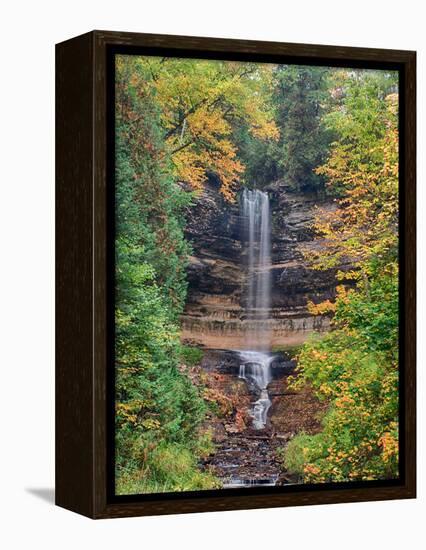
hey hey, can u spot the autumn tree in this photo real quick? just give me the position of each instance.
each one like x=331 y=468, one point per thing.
x=158 y=409
x=301 y=95
x=355 y=367
x=362 y=170
x=200 y=102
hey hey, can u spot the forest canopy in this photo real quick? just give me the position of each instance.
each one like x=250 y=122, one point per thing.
x=200 y=105
x=355 y=366
x=326 y=132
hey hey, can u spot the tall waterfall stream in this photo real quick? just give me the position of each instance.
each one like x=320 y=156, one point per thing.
x=256 y=361
x=258 y=412
x=247 y=443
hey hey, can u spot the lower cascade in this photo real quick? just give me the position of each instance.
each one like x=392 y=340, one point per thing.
x=255 y=368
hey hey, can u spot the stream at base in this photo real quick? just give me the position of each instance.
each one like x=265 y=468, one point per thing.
x=256 y=463
x=246 y=455
x=247 y=462
x=255 y=369
x=248 y=458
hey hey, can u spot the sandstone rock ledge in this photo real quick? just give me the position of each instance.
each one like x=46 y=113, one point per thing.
x=214 y=313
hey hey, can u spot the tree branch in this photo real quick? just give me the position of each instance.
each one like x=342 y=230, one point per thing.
x=181 y=147
x=190 y=111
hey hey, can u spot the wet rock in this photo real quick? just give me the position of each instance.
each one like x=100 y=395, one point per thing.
x=231 y=429
x=245 y=457
x=214 y=315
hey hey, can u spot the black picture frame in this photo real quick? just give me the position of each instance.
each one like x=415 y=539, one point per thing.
x=85 y=274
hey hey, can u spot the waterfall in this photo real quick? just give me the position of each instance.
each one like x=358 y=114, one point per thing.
x=255 y=366
x=257 y=237
x=255 y=369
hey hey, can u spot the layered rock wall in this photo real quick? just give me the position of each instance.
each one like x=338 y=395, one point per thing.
x=214 y=313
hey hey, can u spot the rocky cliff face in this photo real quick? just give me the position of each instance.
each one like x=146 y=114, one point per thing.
x=216 y=274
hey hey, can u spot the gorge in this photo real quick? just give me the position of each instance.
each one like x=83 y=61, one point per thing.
x=214 y=315
x=247 y=310
x=256 y=274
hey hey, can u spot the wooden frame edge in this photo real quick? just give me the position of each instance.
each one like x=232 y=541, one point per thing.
x=85 y=489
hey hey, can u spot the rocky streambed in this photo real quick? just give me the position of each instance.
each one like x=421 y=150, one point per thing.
x=249 y=289
x=247 y=459
x=245 y=456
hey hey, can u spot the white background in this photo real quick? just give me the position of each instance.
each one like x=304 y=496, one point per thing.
x=28 y=34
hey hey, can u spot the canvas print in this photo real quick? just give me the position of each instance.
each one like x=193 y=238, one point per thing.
x=256 y=275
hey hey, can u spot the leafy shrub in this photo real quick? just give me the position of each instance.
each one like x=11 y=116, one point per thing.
x=159 y=411
x=191 y=356
x=355 y=369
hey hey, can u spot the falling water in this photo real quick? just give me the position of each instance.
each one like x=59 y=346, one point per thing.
x=255 y=366
x=257 y=236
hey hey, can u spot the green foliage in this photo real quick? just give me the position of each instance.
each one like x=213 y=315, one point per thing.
x=191 y=356
x=158 y=409
x=359 y=114
x=298 y=98
x=301 y=95
x=258 y=156
x=354 y=368
x=149 y=204
x=168 y=468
